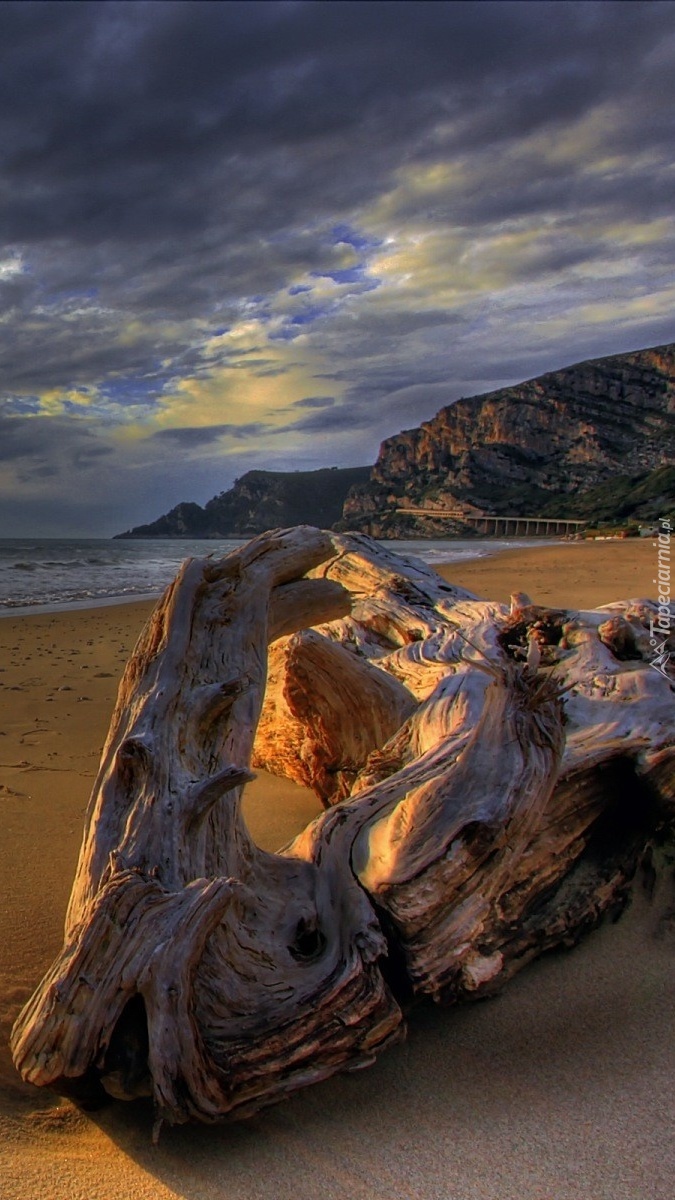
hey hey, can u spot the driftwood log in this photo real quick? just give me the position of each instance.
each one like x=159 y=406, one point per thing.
x=492 y=779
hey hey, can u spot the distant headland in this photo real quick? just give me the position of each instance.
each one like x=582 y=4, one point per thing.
x=593 y=442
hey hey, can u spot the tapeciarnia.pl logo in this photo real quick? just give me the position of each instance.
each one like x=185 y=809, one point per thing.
x=660 y=627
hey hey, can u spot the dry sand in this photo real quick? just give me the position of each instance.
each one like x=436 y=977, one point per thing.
x=561 y=1089
x=575 y=575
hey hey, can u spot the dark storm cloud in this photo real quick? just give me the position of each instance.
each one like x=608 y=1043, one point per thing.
x=42 y=349
x=188 y=436
x=143 y=86
x=170 y=171
x=349 y=415
x=511 y=188
x=36 y=449
x=315 y=402
x=177 y=134
x=376 y=406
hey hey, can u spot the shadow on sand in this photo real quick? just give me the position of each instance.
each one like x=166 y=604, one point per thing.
x=558 y=1088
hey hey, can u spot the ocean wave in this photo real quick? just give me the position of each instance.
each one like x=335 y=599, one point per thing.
x=71 y=573
x=64 y=596
x=48 y=564
x=62 y=562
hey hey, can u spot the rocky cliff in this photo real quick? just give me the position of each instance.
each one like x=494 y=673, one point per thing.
x=600 y=427
x=595 y=441
x=258 y=501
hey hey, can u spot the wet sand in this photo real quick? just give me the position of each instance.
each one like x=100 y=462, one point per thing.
x=561 y=1089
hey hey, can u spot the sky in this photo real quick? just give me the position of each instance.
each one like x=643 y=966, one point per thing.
x=269 y=235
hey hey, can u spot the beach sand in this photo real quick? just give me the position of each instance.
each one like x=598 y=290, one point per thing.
x=560 y=1089
x=573 y=575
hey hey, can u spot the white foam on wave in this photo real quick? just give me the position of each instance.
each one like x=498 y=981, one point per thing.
x=53 y=575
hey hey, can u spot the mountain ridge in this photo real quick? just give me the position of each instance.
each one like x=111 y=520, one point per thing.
x=530 y=449
x=595 y=440
x=259 y=500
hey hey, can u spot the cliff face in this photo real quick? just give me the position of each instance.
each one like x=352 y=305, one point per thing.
x=594 y=441
x=527 y=449
x=258 y=501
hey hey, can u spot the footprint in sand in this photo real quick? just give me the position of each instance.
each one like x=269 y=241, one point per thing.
x=5 y=790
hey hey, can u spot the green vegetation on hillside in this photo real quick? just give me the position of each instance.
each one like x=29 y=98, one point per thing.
x=626 y=497
x=266 y=499
x=258 y=501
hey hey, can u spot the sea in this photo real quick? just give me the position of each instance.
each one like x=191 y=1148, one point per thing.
x=53 y=573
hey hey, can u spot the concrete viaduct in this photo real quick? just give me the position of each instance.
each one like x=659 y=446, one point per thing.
x=488 y=523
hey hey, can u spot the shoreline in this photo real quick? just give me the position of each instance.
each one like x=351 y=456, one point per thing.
x=570 y=575
x=547 y=1090
x=484 y=548
x=64 y=606
x=485 y=567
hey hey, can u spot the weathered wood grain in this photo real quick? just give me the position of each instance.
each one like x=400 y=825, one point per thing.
x=494 y=777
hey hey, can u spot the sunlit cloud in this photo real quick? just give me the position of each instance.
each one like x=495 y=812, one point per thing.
x=252 y=378
x=11 y=266
x=58 y=401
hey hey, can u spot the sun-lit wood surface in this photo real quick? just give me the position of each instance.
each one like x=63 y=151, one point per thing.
x=493 y=777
